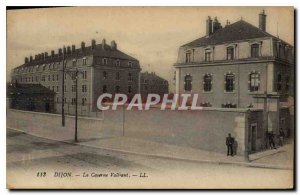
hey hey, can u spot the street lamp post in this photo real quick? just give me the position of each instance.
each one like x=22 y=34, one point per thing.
x=75 y=79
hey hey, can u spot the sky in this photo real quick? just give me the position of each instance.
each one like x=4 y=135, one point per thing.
x=153 y=35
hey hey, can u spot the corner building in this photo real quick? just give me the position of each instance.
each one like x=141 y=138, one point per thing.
x=240 y=66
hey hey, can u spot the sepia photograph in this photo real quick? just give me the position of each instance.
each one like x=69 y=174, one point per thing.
x=150 y=97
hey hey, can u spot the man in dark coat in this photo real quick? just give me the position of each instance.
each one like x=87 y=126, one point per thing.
x=271 y=140
x=229 y=144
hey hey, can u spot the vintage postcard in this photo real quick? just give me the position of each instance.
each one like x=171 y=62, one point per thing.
x=150 y=98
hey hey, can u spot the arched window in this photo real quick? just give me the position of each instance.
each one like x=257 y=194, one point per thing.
x=255 y=50
x=229 y=82
x=254 y=81
x=207 y=82
x=188 y=83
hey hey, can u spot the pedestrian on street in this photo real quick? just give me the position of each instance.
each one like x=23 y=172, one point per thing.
x=271 y=140
x=281 y=136
x=229 y=144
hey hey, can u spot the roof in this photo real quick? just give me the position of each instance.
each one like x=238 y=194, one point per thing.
x=98 y=51
x=18 y=88
x=240 y=30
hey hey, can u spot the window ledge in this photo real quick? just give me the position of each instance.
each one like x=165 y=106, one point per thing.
x=229 y=92
x=208 y=91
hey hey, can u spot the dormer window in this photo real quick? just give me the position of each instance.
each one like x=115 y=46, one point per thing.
x=104 y=61
x=208 y=55
x=188 y=57
x=118 y=63
x=255 y=50
x=84 y=61
x=130 y=64
x=230 y=53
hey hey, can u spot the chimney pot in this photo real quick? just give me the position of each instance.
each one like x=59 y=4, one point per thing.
x=64 y=50
x=46 y=55
x=103 y=44
x=30 y=58
x=73 y=48
x=262 y=21
x=59 y=52
x=82 y=46
x=68 y=50
x=209 y=26
x=113 y=45
x=93 y=43
x=26 y=60
x=52 y=53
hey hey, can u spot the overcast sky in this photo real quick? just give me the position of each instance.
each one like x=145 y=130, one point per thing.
x=150 y=34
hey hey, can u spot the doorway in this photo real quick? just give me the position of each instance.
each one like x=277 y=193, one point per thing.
x=253 y=137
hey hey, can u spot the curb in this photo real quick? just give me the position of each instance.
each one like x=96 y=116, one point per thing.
x=245 y=164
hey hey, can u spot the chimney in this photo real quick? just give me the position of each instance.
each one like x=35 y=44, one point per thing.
x=46 y=55
x=26 y=60
x=52 y=53
x=262 y=21
x=59 y=52
x=39 y=56
x=35 y=57
x=30 y=59
x=82 y=46
x=42 y=57
x=208 y=26
x=68 y=50
x=64 y=50
x=216 y=25
x=113 y=45
x=93 y=43
x=103 y=44
x=73 y=48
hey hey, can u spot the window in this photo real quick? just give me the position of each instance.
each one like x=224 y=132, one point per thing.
x=104 y=75
x=73 y=101
x=255 y=50
x=104 y=61
x=129 y=77
x=188 y=83
x=117 y=90
x=57 y=77
x=84 y=61
x=207 y=82
x=36 y=79
x=74 y=62
x=130 y=64
x=287 y=83
x=83 y=101
x=43 y=78
x=117 y=76
x=254 y=82
x=84 y=89
x=52 y=88
x=229 y=82
x=57 y=100
x=230 y=53
x=207 y=55
x=279 y=79
x=73 y=88
x=57 y=89
x=118 y=62
x=84 y=75
x=53 y=77
x=49 y=77
x=188 y=57
x=129 y=89
x=104 y=89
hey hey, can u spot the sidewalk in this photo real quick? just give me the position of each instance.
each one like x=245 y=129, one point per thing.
x=161 y=150
x=282 y=158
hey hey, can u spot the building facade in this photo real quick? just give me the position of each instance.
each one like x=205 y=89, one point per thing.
x=239 y=66
x=102 y=69
x=152 y=83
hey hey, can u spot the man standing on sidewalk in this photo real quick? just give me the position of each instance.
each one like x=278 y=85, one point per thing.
x=281 y=136
x=229 y=144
